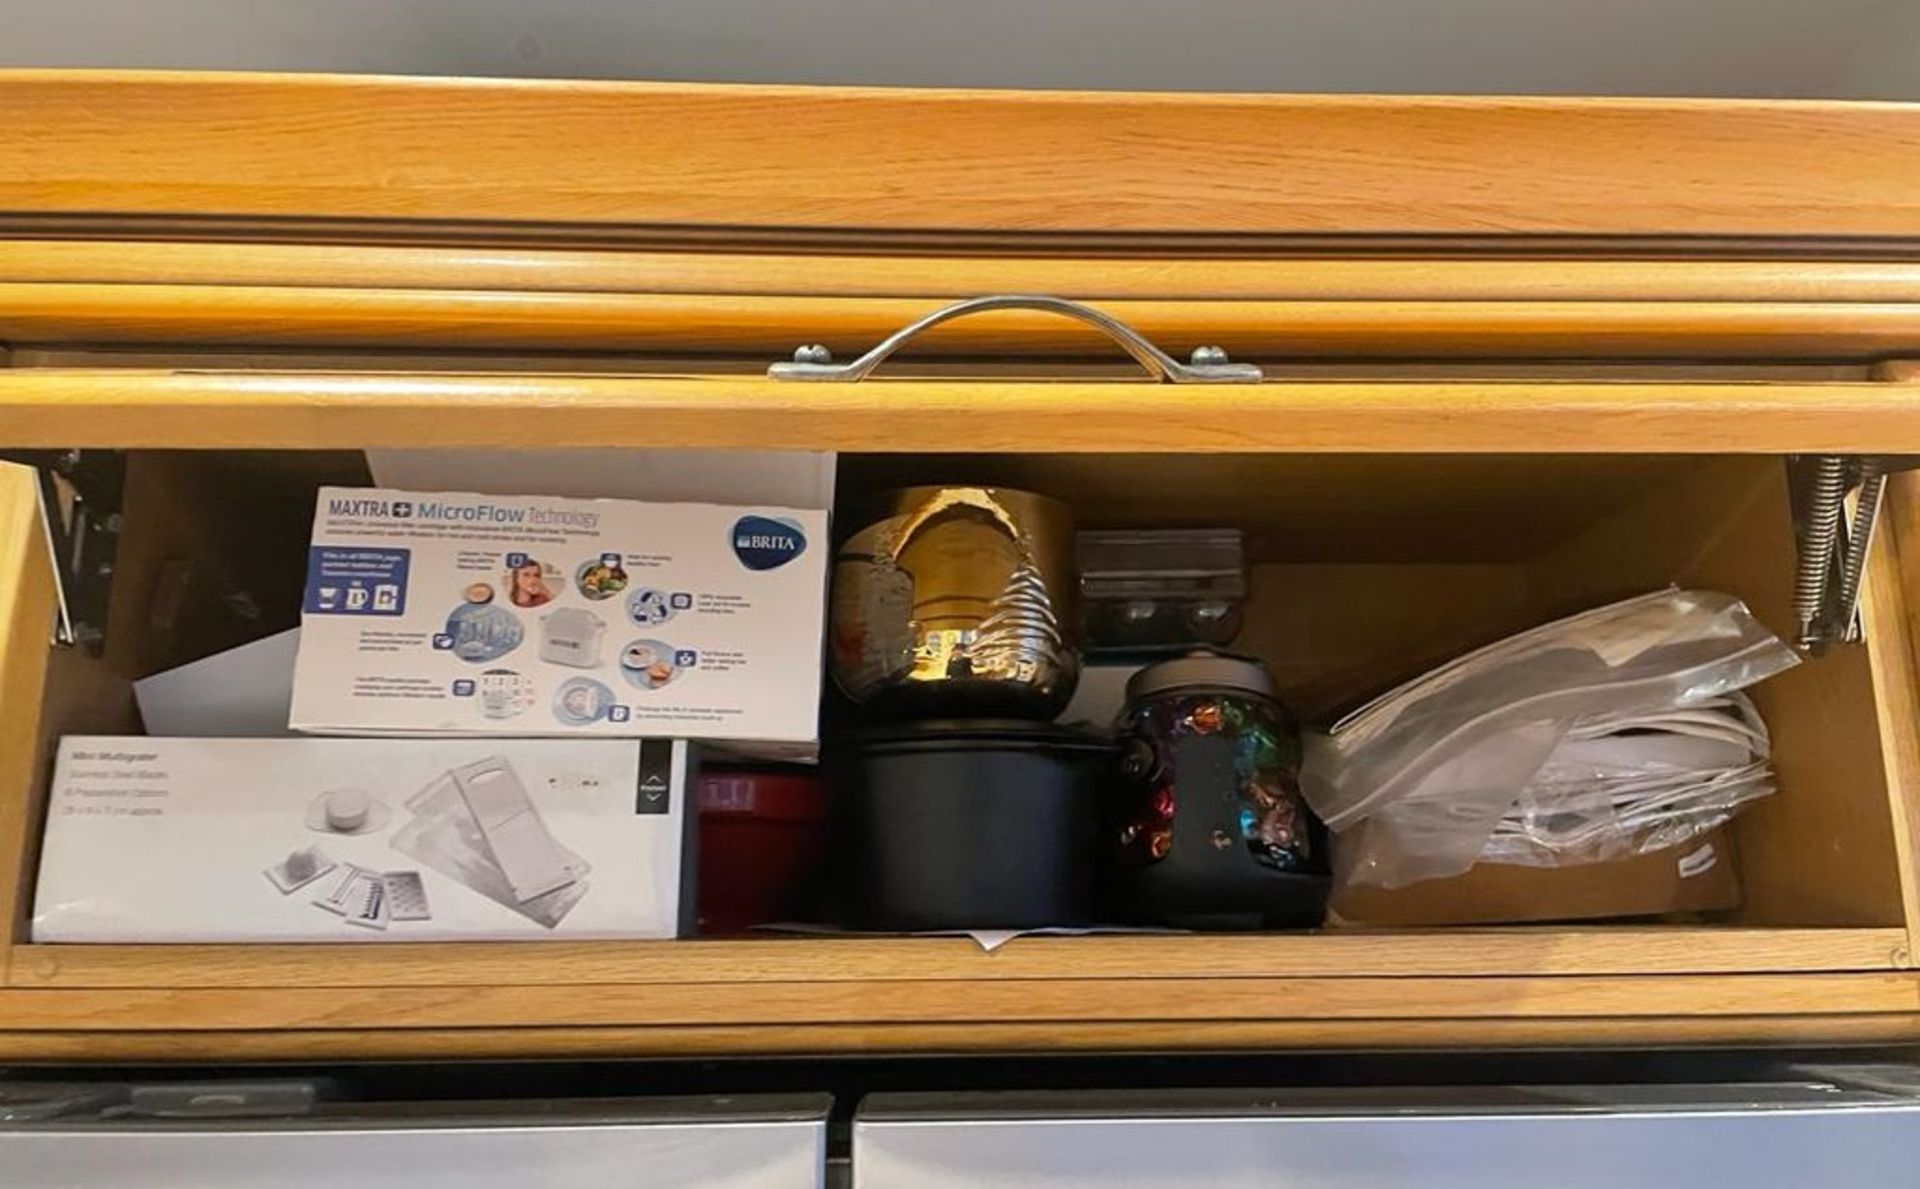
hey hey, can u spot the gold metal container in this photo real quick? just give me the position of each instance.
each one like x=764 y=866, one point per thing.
x=957 y=601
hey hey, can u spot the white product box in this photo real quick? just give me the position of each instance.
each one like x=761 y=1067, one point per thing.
x=178 y=840
x=444 y=614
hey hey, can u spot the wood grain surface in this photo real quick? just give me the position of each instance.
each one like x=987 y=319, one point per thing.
x=26 y=625
x=1890 y=609
x=1276 y=277
x=957 y=1001
x=1607 y=949
x=988 y=161
x=1267 y=1033
x=769 y=327
x=314 y=410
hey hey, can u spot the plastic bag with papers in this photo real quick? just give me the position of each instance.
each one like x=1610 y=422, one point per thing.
x=1613 y=732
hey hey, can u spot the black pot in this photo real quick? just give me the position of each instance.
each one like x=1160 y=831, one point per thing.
x=983 y=824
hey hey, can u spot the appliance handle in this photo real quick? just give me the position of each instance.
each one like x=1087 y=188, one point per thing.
x=1210 y=365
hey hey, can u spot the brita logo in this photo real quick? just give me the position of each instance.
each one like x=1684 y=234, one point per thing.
x=762 y=543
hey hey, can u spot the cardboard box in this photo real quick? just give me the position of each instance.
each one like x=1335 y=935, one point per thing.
x=267 y=840
x=1698 y=876
x=435 y=614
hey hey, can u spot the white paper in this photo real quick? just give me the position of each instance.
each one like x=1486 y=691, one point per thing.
x=988 y=940
x=992 y=939
x=1697 y=862
x=243 y=692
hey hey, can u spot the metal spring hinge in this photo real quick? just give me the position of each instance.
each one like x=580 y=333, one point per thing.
x=80 y=509
x=1833 y=543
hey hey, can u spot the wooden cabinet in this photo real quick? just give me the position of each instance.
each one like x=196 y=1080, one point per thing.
x=1521 y=356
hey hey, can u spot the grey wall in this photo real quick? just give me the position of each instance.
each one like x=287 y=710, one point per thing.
x=1800 y=48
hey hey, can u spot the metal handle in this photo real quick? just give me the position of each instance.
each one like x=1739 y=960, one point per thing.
x=1210 y=365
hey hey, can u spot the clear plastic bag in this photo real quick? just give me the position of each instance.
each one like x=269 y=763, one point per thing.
x=1418 y=782
x=1622 y=785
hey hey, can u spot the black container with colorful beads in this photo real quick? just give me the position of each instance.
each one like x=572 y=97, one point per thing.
x=1210 y=830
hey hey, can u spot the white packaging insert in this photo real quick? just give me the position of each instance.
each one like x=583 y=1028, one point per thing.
x=429 y=614
x=455 y=839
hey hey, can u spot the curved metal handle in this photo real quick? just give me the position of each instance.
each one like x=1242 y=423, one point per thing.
x=1210 y=364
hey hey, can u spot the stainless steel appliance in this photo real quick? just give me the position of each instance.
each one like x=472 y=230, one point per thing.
x=668 y=1143
x=1768 y=1136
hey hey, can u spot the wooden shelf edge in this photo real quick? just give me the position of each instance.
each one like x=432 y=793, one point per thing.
x=60 y=407
x=1056 y=1001
x=929 y=277
x=27 y=605
x=1598 y=950
x=934 y=1039
x=1890 y=600
x=403 y=316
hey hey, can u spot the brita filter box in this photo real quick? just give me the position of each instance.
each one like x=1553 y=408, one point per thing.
x=429 y=614
x=153 y=840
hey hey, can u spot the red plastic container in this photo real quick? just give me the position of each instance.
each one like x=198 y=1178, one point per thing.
x=763 y=835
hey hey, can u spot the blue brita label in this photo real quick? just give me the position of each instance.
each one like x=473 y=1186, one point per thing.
x=763 y=543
